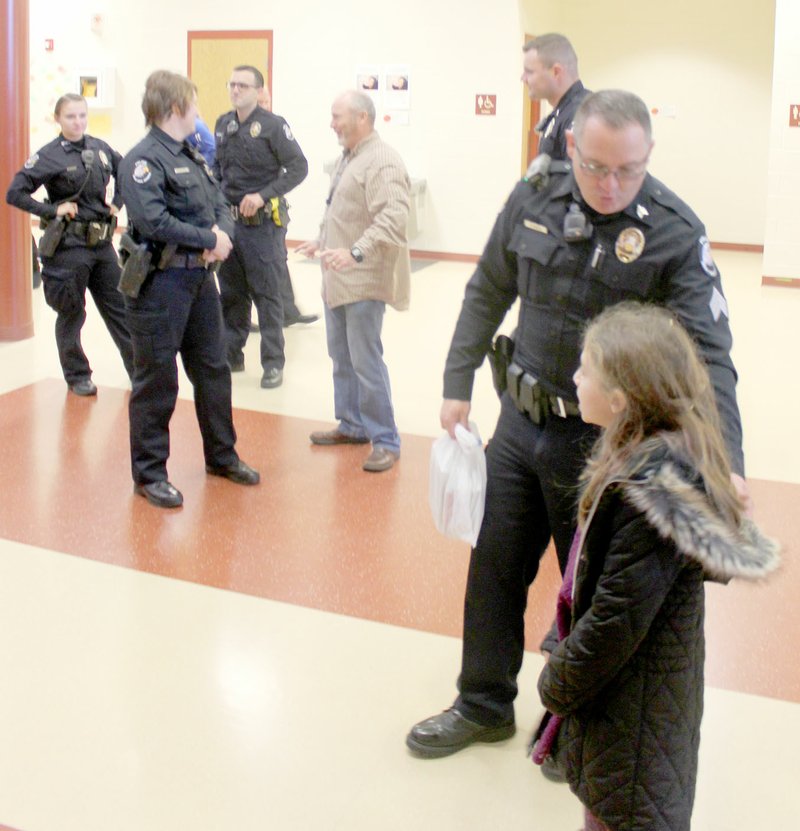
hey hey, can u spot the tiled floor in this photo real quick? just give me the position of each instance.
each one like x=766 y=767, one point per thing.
x=255 y=659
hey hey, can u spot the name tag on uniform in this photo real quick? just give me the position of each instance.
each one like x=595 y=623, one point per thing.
x=181 y=169
x=535 y=226
x=72 y=167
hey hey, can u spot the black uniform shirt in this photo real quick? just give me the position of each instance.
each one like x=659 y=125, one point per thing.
x=656 y=251
x=171 y=194
x=553 y=127
x=62 y=170
x=260 y=155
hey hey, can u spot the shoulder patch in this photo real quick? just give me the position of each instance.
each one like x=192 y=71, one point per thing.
x=31 y=162
x=706 y=257
x=287 y=132
x=141 y=172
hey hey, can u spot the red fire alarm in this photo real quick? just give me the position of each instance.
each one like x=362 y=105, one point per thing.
x=48 y=44
x=794 y=115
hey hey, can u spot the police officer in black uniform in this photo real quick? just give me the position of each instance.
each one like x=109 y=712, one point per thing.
x=550 y=71
x=586 y=239
x=75 y=170
x=180 y=217
x=258 y=161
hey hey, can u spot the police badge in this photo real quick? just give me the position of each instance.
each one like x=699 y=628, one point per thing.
x=255 y=129
x=629 y=245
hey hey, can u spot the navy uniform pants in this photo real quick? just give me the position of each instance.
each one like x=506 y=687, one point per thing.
x=178 y=311
x=531 y=496
x=66 y=276
x=255 y=270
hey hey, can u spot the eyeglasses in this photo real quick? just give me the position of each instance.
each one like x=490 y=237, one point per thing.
x=600 y=171
x=239 y=85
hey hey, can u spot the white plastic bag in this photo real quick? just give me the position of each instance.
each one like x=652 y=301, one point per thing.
x=458 y=484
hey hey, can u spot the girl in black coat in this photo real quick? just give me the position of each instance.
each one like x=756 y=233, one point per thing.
x=658 y=515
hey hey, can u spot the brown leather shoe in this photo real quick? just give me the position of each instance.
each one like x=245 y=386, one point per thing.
x=335 y=437
x=380 y=459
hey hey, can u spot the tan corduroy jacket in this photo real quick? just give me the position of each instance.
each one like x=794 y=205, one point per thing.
x=368 y=208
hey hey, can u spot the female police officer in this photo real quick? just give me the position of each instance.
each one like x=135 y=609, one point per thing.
x=177 y=211
x=75 y=170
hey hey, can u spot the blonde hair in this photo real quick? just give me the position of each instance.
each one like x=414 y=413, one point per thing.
x=162 y=91
x=644 y=352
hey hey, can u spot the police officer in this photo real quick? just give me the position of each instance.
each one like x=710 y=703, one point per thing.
x=177 y=210
x=550 y=71
x=258 y=161
x=75 y=170
x=604 y=232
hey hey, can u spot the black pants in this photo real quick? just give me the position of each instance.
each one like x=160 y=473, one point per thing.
x=255 y=271
x=178 y=310
x=67 y=275
x=531 y=495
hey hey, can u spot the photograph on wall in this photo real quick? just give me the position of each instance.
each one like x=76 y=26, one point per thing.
x=397 y=92
x=368 y=79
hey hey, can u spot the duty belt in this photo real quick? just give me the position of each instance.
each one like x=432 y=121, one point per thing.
x=529 y=397
x=94 y=231
x=184 y=260
x=256 y=219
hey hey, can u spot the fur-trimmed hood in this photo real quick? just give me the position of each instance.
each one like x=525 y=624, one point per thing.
x=680 y=511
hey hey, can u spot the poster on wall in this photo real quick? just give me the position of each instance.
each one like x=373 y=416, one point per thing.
x=368 y=79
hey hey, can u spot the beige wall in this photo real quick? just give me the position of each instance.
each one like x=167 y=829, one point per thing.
x=713 y=66
x=708 y=61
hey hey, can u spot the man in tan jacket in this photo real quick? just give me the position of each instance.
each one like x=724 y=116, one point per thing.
x=365 y=265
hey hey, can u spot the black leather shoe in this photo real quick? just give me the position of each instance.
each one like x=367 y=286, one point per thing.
x=83 y=387
x=160 y=494
x=300 y=319
x=450 y=732
x=272 y=378
x=238 y=472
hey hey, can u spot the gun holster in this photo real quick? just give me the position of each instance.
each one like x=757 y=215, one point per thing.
x=137 y=263
x=52 y=236
x=500 y=357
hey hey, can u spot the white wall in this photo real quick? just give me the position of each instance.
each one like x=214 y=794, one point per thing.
x=712 y=62
x=782 y=243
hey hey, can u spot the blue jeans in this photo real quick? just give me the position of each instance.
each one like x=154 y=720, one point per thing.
x=362 y=394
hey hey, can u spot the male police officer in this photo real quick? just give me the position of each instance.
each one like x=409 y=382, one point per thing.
x=550 y=71
x=586 y=239
x=258 y=162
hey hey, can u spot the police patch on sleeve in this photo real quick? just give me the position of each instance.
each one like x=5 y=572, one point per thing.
x=706 y=257
x=141 y=172
x=31 y=162
x=287 y=132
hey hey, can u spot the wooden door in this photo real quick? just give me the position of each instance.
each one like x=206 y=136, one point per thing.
x=212 y=56
x=532 y=113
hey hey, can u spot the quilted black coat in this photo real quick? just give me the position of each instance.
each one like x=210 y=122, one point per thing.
x=628 y=679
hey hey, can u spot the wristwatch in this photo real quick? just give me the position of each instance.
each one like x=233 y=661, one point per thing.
x=355 y=253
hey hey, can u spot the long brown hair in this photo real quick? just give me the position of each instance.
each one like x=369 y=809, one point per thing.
x=644 y=352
